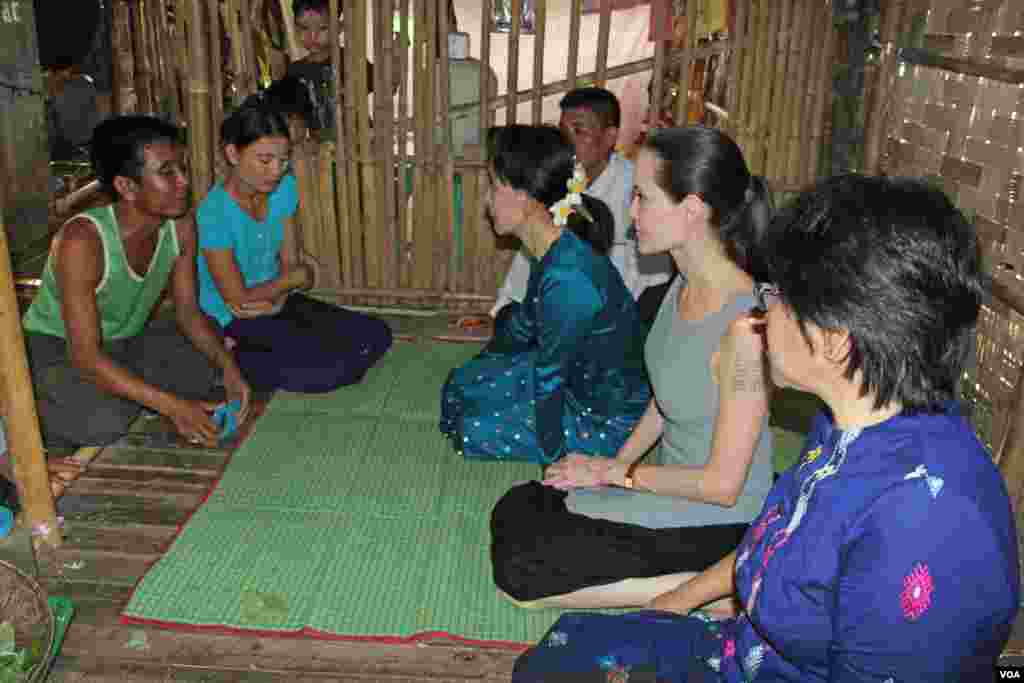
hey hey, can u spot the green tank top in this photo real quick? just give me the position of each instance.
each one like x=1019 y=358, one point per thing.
x=124 y=298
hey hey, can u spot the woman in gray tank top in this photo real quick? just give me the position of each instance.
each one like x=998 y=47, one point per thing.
x=679 y=493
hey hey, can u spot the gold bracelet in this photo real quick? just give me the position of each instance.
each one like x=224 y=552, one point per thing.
x=629 y=481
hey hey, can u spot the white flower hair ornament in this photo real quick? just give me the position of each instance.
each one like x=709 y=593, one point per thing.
x=572 y=201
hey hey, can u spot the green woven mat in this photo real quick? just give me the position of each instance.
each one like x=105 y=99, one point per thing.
x=349 y=515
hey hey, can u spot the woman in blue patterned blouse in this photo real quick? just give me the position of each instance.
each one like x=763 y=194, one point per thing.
x=889 y=551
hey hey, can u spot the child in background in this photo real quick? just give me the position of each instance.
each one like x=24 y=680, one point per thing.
x=314 y=71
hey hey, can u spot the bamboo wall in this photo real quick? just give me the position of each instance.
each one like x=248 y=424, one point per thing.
x=389 y=215
x=779 y=84
x=950 y=107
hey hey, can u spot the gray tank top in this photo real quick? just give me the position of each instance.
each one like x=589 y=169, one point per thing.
x=678 y=355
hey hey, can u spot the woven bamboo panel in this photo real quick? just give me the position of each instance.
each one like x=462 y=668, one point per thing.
x=965 y=132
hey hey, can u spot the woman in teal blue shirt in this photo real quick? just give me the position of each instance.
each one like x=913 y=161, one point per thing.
x=247 y=282
x=565 y=369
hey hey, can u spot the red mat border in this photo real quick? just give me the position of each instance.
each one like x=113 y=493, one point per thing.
x=305 y=632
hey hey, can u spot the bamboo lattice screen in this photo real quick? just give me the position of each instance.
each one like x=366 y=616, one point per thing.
x=952 y=110
x=391 y=216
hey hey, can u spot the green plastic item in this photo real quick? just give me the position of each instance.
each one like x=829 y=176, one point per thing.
x=63 y=609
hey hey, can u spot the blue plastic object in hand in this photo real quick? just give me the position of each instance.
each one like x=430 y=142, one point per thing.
x=6 y=521
x=226 y=417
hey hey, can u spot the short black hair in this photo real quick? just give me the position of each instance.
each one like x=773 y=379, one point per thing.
x=896 y=265
x=598 y=100
x=119 y=143
x=254 y=119
x=319 y=6
x=540 y=160
x=707 y=163
x=288 y=96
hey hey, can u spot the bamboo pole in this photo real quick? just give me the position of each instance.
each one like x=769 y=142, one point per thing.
x=442 y=83
x=347 y=144
x=181 y=59
x=604 y=29
x=367 y=170
x=200 y=150
x=539 y=32
x=171 y=64
x=404 y=163
x=471 y=224
x=216 y=76
x=796 y=143
x=420 y=294
x=687 y=66
x=291 y=41
x=486 y=112
x=823 y=84
x=512 y=83
x=809 y=154
x=126 y=100
x=876 y=127
x=575 y=17
x=22 y=424
x=329 y=252
x=445 y=182
x=657 y=81
x=390 y=178
x=434 y=232
x=143 y=67
x=306 y=167
x=248 y=82
x=472 y=219
x=775 y=153
x=422 y=265
x=738 y=54
x=233 y=30
x=346 y=243
x=161 y=91
x=747 y=94
x=770 y=97
x=168 y=84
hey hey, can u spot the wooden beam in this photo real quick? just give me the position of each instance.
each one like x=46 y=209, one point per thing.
x=539 y=31
x=24 y=204
x=966 y=66
x=614 y=72
x=22 y=421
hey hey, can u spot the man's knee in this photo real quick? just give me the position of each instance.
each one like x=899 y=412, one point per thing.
x=98 y=423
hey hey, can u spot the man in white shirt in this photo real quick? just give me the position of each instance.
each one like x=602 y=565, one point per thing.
x=590 y=118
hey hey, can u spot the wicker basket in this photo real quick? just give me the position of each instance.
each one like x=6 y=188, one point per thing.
x=23 y=604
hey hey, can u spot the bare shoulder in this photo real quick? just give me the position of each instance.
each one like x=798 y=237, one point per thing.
x=77 y=239
x=77 y=251
x=79 y=230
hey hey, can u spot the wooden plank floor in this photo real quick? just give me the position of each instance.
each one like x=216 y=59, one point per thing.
x=125 y=509
x=118 y=517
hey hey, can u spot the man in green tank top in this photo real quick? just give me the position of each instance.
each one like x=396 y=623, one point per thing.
x=97 y=353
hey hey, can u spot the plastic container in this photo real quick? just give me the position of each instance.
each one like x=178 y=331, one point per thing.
x=6 y=521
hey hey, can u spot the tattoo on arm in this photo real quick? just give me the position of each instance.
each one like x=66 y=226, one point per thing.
x=748 y=376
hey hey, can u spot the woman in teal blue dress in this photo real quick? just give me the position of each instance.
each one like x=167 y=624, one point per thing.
x=564 y=371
